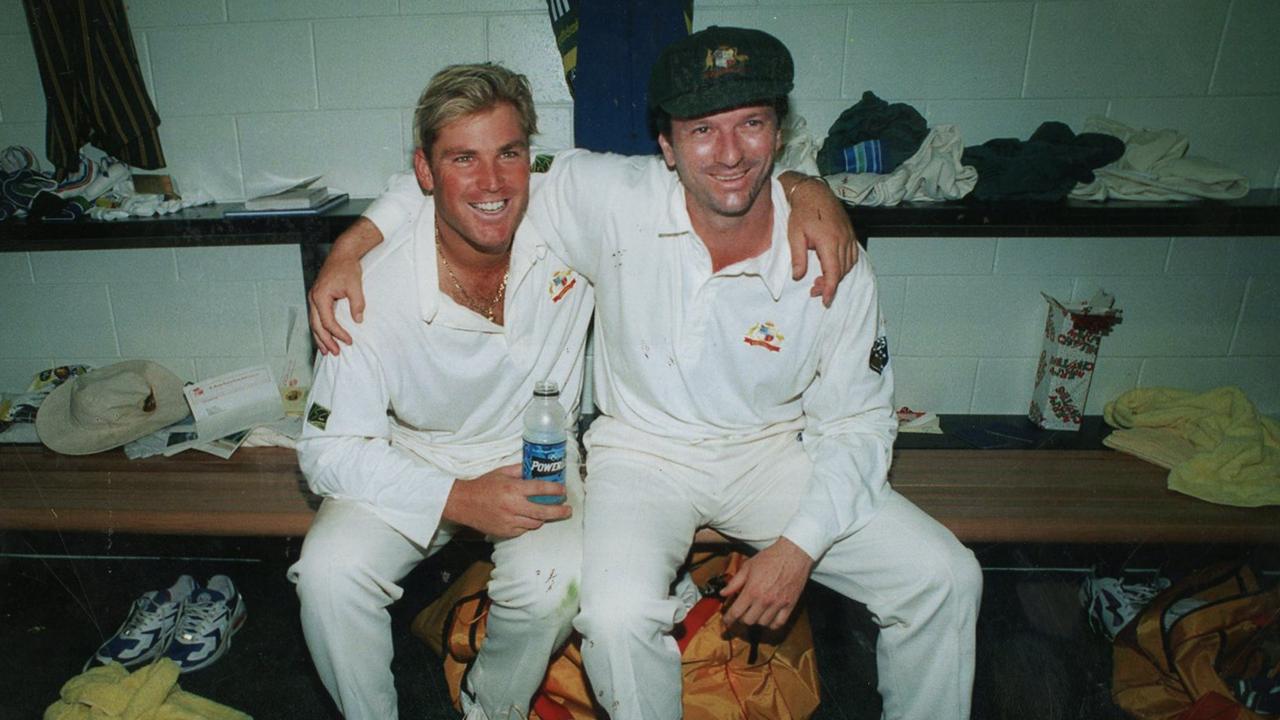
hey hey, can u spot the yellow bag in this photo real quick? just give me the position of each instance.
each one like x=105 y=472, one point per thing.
x=1180 y=673
x=765 y=676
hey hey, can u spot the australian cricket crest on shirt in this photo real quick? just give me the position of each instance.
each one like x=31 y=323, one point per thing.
x=561 y=283
x=764 y=335
x=879 y=355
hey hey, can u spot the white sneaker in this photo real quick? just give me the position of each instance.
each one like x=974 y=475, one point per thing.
x=147 y=630
x=209 y=618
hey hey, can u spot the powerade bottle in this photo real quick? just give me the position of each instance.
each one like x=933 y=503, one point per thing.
x=544 y=439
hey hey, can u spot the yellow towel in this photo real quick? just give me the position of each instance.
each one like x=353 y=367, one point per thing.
x=151 y=692
x=1217 y=445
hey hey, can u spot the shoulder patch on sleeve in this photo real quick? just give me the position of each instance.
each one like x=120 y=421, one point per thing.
x=318 y=415
x=879 y=355
x=541 y=163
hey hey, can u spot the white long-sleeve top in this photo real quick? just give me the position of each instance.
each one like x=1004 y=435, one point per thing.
x=740 y=354
x=430 y=391
x=743 y=353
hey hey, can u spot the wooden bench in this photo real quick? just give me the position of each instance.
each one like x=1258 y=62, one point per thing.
x=259 y=491
x=1059 y=496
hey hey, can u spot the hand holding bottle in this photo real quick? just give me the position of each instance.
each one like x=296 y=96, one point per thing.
x=498 y=503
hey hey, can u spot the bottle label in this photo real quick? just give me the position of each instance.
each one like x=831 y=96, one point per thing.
x=544 y=461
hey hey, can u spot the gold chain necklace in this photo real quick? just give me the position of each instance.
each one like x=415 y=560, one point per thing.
x=471 y=302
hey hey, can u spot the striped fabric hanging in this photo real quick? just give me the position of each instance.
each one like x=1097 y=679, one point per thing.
x=564 y=23
x=92 y=84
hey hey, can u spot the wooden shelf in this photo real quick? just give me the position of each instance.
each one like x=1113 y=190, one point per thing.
x=193 y=227
x=259 y=491
x=202 y=226
x=1068 y=496
x=1258 y=213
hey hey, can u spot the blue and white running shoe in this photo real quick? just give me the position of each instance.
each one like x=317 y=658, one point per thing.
x=147 y=631
x=209 y=618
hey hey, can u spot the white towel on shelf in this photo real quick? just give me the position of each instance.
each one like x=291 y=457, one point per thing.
x=1155 y=167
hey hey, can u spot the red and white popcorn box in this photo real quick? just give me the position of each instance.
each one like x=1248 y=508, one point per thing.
x=1072 y=334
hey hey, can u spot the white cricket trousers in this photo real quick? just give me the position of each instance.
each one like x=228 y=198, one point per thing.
x=646 y=496
x=347 y=576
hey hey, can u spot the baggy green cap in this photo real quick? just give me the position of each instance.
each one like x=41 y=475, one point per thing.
x=717 y=69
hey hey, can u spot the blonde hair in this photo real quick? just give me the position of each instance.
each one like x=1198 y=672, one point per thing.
x=460 y=90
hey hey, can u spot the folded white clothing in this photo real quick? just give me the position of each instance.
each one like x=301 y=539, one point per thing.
x=1155 y=167
x=933 y=173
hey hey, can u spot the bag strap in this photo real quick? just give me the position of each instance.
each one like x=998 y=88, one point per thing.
x=482 y=600
x=1221 y=581
x=698 y=616
x=549 y=709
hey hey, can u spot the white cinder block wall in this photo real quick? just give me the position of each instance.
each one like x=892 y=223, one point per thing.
x=249 y=90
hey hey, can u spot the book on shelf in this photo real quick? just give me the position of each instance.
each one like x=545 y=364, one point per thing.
x=329 y=203
x=291 y=199
x=298 y=196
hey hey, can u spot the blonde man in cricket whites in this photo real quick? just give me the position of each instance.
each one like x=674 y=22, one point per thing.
x=414 y=432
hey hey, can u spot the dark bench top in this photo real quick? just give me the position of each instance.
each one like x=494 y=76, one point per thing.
x=1258 y=213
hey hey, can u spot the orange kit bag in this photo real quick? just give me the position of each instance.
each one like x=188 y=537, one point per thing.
x=1225 y=631
x=764 y=676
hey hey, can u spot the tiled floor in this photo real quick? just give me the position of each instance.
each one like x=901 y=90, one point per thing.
x=59 y=596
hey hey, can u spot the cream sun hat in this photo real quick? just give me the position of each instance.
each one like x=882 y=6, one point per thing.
x=109 y=407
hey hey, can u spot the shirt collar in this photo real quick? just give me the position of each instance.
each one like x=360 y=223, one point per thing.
x=773 y=266
x=526 y=250
x=424 y=258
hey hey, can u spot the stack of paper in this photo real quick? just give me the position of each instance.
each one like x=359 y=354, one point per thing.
x=223 y=411
x=239 y=400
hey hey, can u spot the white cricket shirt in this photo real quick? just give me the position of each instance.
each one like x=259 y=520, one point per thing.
x=739 y=354
x=430 y=391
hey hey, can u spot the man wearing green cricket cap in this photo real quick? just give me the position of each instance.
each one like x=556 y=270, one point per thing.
x=731 y=399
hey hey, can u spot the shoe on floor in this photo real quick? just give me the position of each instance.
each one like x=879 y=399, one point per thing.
x=18 y=157
x=209 y=618
x=1112 y=604
x=146 y=632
